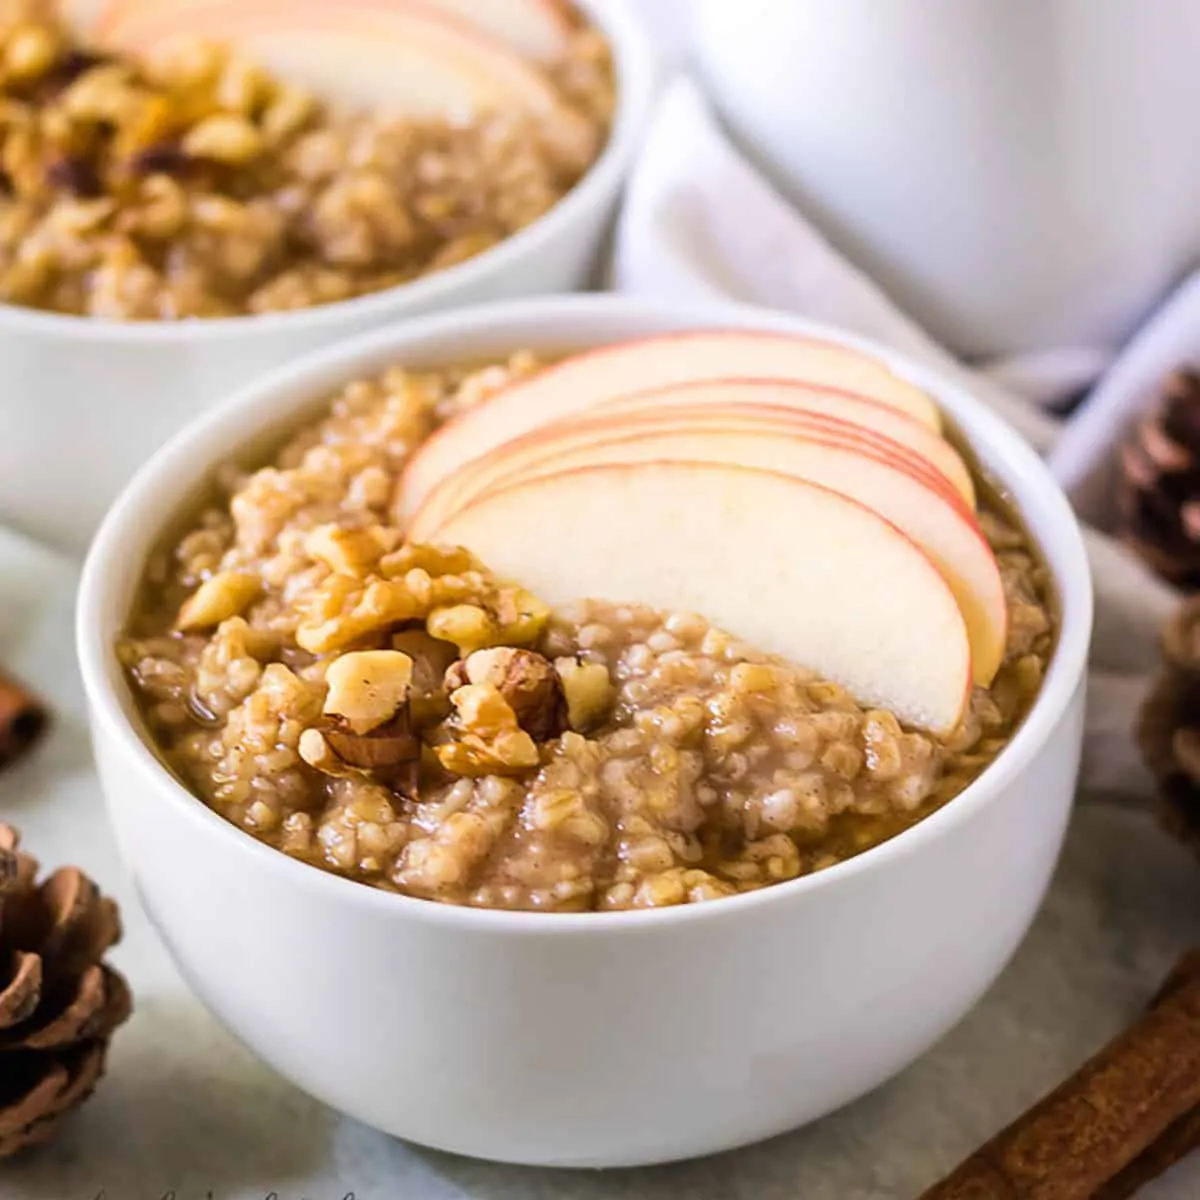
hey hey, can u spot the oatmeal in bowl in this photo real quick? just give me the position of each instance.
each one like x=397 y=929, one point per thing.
x=153 y=176
x=524 y=645
x=393 y=712
x=194 y=191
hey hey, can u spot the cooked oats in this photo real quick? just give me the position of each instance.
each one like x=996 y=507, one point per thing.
x=196 y=185
x=394 y=714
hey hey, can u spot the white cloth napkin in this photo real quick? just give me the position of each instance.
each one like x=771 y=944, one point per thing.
x=186 y=1111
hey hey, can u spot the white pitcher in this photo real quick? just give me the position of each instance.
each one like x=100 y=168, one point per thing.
x=1018 y=173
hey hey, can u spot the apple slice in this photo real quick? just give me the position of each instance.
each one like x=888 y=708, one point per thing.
x=607 y=422
x=595 y=376
x=402 y=59
x=85 y=17
x=792 y=568
x=536 y=29
x=950 y=538
x=803 y=398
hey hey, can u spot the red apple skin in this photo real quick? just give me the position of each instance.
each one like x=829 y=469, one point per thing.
x=811 y=400
x=602 y=424
x=608 y=372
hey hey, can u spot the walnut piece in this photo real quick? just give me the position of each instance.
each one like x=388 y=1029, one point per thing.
x=467 y=626
x=367 y=688
x=525 y=679
x=350 y=551
x=389 y=755
x=315 y=750
x=225 y=595
x=587 y=689
x=515 y=617
x=343 y=609
x=486 y=737
x=377 y=749
x=224 y=138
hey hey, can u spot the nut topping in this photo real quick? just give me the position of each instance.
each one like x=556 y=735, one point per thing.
x=390 y=754
x=315 y=750
x=224 y=595
x=388 y=746
x=349 y=551
x=587 y=690
x=525 y=679
x=367 y=688
x=487 y=738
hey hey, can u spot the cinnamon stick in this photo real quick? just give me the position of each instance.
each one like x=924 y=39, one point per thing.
x=1176 y=1144
x=23 y=719
x=1181 y=1137
x=1122 y=1119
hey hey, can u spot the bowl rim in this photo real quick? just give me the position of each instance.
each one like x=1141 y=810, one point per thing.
x=636 y=64
x=175 y=470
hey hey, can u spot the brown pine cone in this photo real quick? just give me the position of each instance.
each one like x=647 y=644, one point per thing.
x=1168 y=730
x=1158 y=496
x=59 y=1004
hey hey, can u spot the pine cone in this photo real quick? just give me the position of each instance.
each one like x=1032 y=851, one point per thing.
x=1168 y=730
x=1159 y=492
x=59 y=1004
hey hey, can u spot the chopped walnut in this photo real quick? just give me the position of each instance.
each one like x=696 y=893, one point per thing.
x=486 y=738
x=384 y=747
x=467 y=626
x=224 y=138
x=226 y=594
x=314 y=749
x=344 y=609
x=512 y=617
x=587 y=690
x=525 y=679
x=390 y=754
x=367 y=688
x=350 y=551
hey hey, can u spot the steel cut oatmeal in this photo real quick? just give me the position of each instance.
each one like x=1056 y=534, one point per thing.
x=193 y=184
x=394 y=714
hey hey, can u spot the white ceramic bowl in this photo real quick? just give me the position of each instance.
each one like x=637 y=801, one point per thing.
x=87 y=401
x=589 y=1039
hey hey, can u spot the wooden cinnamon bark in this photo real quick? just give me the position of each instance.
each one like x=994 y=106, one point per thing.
x=1128 y=1114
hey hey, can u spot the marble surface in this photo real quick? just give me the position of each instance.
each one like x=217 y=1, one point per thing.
x=186 y=1111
